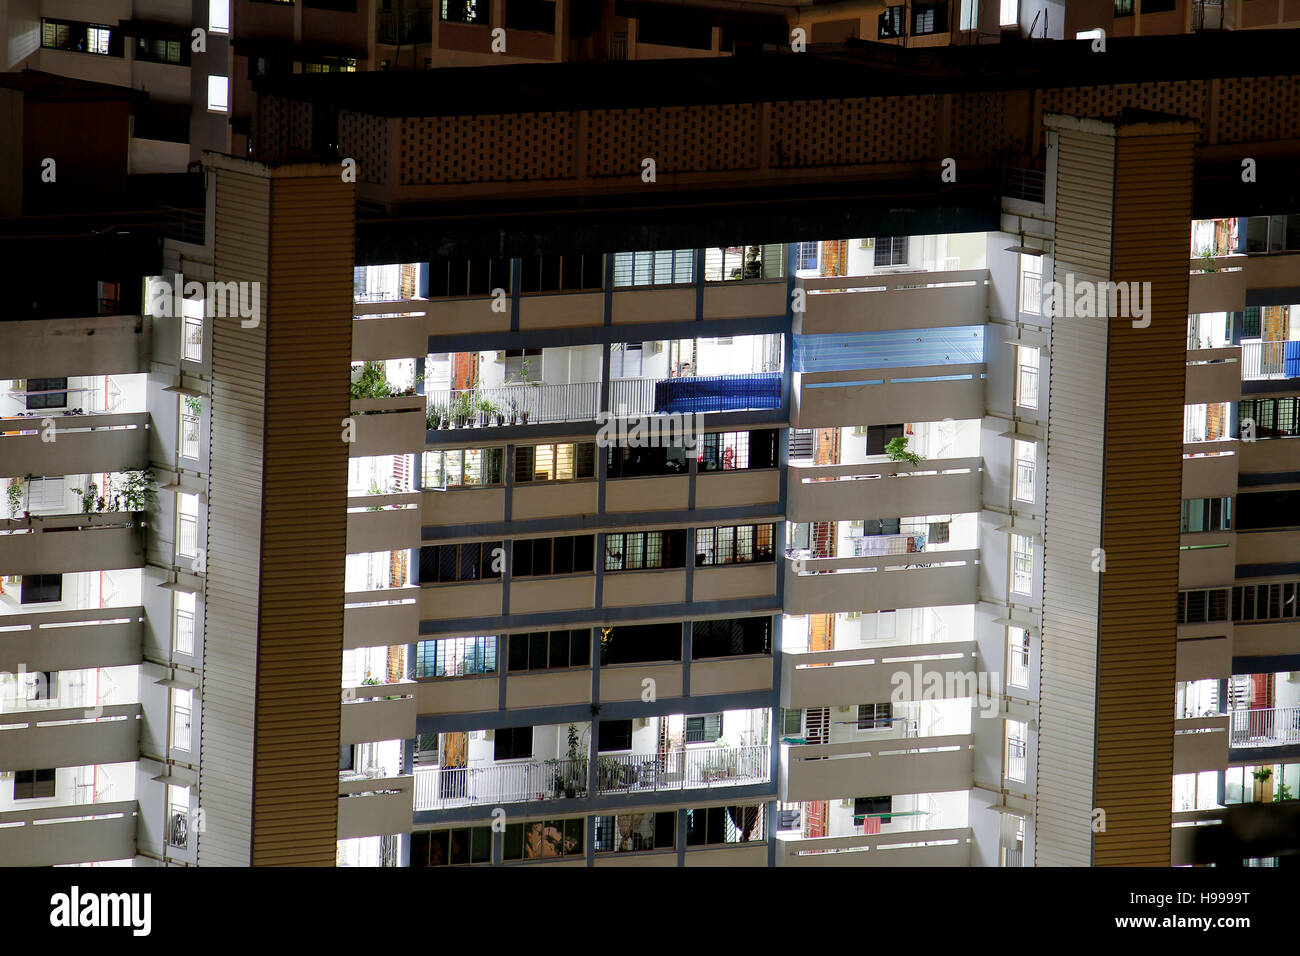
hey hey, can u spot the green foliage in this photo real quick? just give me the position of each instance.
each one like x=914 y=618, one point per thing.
x=1283 y=792
x=17 y=488
x=372 y=382
x=194 y=404
x=896 y=449
x=1262 y=773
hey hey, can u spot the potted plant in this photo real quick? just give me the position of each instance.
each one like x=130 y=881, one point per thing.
x=436 y=417
x=1283 y=792
x=17 y=488
x=514 y=412
x=896 y=449
x=1262 y=776
x=372 y=382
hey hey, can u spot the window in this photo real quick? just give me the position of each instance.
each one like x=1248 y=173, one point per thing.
x=746 y=544
x=879 y=435
x=703 y=728
x=441 y=563
x=33 y=784
x=1017 y=657
x=875 y=716
x=76 y=37
x=463 y=468
x=347 y=757
x=569 y=273
x=1123 y=8
x=41 y=588
x=731 y=637
x=47 y=393
x=327 y=65
x=1026 y=377
x=1265 y=602
x=1206 y=514
x=930 y=18
x=864 y=807
x=1009 y=13
x=545 y=650
x=456 y=657
x=969 y=15
x=1022 y=564
x=633 y=832
x=614 y=735
x=183 y=627
x=218 y=94
x=891 y=23
x=724 y=451
x=465 y=11
x=660 y=267
x=42 y=685
x=735 y=263
x=645 y=550
x=543 y=839
x=1202 y=606
x=1268 y=509
x=512 y=743
x=890 y=251
x=1026 y=470
x=218 y=16
x=1272 y=417
x=462 y=846
x=640 y=644
x=1016 y=735
x=805 y=256
x=713 y=825
x=182 y=706
x=564 y=461
x=160 y=51
x=625 y=462
x=534 y=557
x=1158 y=6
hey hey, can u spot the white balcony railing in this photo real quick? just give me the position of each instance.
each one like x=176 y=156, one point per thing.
x=1264 y=360
x=183 y=635
x=1031 y=293
x=189 y=437
x=1272 y=727
x=1015 y=759
x=178 y=827
x=187 y=535
x=1025 y=475
x=181 y=728
x=1018 y=667
x=698 y=768
x=572 y=402
x=193 y=339
x=1027 y=387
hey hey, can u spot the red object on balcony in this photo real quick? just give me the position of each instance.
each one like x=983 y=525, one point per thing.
x=871 y=825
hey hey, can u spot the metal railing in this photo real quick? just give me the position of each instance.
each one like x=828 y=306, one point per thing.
x=533 y=404
x=632 y=396
x=1272 y=727
x=187 y=535
x=1207 y=15
x=1015 y=760
x=183 y=637
x=189 y=437
x=1268 y=360
x=181 y=728
x=534 y=780
x=1025 y=475
x=1018 y=665
x=1027 y=184
x=1031 y=293
x=618 y=46
x=178 y=828
x=1027 y=387
x=193 y=339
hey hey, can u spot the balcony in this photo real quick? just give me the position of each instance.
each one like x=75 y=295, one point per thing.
x=843 y=677
x=1201 y=743
x=70 y=737
x=389 y=522
x=950 y=847
x=396 y=620
x=885 y=767
x=881 y=582
x=1261 y=361
x=1272 y=727
x=388 y=426
x=921 y=393
x=372 y=718
x=524 y=404
x=936 y=486
x=60 y=544
x=841 y=304
x=64 y=640
x=375 y=806
x=701 y=769
x=54 y=836
x=86 y=444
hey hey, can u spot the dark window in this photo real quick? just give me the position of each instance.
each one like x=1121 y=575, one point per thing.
x=77 y=37
x=343 y=6
x=891 y=23
x=1158 y=6
x=161 y=50
x=441 y=563
x=456 y=657
x=532 y=557
x=1268 y=509
x=33 y=784
x=1206 y=514
x=731 y=637
x=614 y=735
x=640 y=643
x=47 y=393
x=645 y=550
x=724 y=451
x=930 y=18
x=864 y=807
x=624 y=462
x=744 y=544
x=512 y=743
x=632 y=832
x=450 y=278
x=681 y=28
x=542 y=650
x=347 y=756
x=537 y=15
x=879 y=435
x=569 y=273
x=1123 y=8
x=47 y=685
x=703 y=728
x=541 y=839
x=464 y=845
x=875 y=716
x=891 y=251
x=41 y=588
x=465 y=11
x=1202 y=606
x=1265 y=602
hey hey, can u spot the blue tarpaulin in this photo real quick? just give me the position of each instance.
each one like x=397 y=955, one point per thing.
x=1291 y=366
x=719 y=393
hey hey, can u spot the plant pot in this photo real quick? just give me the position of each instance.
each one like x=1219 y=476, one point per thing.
x=569 y=793
x=525 y=416
x=501 y=420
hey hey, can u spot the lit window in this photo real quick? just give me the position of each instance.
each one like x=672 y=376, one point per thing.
x=218 y=94
x=218 y=16
x=1022 y=564
x=1010 y=13
x=1026 y=468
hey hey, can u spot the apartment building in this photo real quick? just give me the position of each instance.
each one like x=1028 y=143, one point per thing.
x=531 y=628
